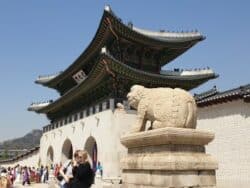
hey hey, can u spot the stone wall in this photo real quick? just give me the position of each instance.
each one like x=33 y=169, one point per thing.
x=30 y=160
x=229 y=121
x=231 y=124
x=105 y=128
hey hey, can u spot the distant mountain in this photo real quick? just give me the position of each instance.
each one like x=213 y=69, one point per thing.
x=28 y=141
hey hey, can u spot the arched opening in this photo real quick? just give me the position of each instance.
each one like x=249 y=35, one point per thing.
x=91 y=148
x=50 y=156
x=67 y=150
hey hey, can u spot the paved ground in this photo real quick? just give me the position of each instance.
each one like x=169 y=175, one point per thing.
x=32 y=186
x=52 y=183
x=38 y=185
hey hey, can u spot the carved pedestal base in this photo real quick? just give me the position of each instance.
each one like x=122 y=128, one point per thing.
x=168 y=157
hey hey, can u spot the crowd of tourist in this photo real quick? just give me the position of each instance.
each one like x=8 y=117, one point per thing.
x=23 y=175
x=76 y=173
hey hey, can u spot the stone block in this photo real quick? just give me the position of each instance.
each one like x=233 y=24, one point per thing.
x=167 y=135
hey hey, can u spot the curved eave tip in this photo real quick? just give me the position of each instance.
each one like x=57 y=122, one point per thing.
x=203 y=37
x=35 y=109
x=107 y=8
x=216 y=75
x=38 y=82
x=31 y=109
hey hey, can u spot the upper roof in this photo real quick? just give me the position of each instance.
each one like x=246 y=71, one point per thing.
x=213 y=96
x=168 y=36
x=107 y=66
x=172 y=44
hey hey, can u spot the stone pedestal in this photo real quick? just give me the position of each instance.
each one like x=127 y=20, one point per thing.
x=168 y=157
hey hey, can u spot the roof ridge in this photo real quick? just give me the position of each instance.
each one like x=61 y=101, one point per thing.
x=167 y=33
x=241 y=92
x=206 y=94
x=161 y=33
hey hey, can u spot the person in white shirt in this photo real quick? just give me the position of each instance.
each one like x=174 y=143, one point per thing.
x=66 y=172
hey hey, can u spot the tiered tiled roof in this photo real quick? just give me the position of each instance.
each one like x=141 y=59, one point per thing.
x=168 y=45
x=131 y=56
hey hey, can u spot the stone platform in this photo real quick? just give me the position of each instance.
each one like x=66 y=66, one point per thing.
x=168 y=157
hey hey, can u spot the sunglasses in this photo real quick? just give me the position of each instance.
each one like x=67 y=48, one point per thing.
x=79 y=157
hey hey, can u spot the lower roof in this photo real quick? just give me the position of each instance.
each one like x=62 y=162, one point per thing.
x=108 y=66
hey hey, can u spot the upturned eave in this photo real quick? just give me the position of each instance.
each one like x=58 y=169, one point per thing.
x=174 y=43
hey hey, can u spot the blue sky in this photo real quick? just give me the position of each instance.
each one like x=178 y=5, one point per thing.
x=44 y=37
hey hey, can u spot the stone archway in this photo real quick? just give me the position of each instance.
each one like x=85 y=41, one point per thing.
x=50 y=156
x=91 y=148
x=67 y=150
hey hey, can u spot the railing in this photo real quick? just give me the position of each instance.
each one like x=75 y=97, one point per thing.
x=195 y=71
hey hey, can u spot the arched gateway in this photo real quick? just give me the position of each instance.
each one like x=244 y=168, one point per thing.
x=91 y=148
x=50 y=156
x=67 y=150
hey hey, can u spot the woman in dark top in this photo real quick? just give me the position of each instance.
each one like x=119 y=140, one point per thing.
x=82 y=172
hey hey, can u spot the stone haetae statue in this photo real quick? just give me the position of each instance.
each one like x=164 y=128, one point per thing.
x=164 y=107
x=172 y=154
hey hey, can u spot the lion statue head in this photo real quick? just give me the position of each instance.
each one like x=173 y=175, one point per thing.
x=135 y=95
